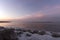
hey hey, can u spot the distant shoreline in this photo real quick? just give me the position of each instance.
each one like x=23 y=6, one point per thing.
x=5 y=21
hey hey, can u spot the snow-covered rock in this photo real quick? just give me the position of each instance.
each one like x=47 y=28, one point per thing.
x=47 y=36
x=31 y=35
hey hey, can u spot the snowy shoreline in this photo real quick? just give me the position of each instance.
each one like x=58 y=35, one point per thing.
x=22 y=34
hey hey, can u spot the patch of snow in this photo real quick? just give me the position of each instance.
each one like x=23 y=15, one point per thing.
x=37 y=37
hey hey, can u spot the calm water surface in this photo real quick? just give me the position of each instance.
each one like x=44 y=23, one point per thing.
x=38 y=26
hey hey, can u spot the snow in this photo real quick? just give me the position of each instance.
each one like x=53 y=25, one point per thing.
x=47 y=36
x=23 y=34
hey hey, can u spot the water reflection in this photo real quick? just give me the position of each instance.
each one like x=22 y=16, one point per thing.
x=27 y=25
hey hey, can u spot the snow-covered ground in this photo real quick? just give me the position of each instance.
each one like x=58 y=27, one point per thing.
x=23 y=34
x=37 y=36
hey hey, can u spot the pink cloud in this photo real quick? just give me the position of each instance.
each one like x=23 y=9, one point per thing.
x=31 y=17
x=47 y=14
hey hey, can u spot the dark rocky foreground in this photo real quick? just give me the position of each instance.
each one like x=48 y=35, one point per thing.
x=7 y=34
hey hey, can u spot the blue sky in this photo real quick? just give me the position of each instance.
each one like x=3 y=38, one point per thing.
x=27 y=8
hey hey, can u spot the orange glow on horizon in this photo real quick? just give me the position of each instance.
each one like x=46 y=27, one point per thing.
x=5 y=18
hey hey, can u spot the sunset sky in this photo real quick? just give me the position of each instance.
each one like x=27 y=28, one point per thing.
x=29 y=9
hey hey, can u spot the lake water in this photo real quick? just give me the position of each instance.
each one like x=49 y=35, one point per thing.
x=35 y=26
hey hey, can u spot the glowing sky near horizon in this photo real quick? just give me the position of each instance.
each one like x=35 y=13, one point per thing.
x=13 y=9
